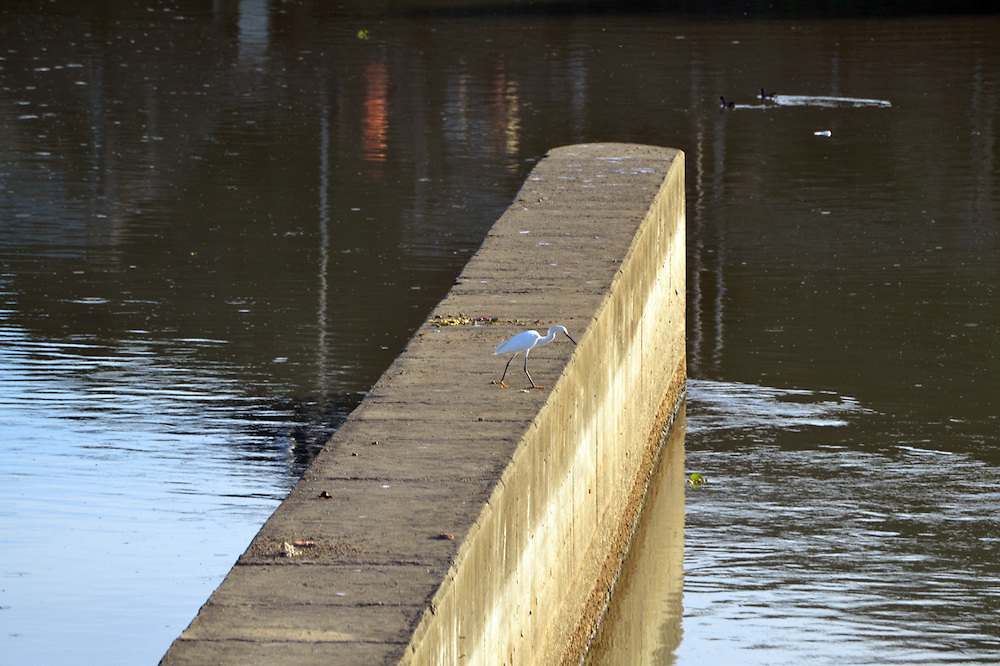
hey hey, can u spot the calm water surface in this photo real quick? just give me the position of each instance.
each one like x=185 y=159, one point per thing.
x=219 y=223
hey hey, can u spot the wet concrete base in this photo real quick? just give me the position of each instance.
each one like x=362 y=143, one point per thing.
x=451 y=520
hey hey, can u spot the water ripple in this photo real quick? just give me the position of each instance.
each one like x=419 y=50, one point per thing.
x=835 y=548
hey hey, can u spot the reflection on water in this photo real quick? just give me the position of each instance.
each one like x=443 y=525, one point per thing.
x=373 y=144
x=219 y=222
x=806 y=536
x=761 y=409
x=121 y=472
x=847 y=519
x=206 y=257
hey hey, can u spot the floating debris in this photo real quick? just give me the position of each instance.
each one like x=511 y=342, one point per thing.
x=828 y=101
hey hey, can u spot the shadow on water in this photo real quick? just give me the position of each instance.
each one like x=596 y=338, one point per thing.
x=297 y=428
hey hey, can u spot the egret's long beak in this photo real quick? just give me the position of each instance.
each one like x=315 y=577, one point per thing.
x=571 y=338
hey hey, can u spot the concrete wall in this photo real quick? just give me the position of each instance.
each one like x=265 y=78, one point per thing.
x=643 y=620
x=453 y=521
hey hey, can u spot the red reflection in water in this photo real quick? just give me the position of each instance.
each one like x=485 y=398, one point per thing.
x=505 y=120
x=375 y=126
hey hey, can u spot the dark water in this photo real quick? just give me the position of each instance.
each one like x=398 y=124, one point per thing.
x=219 y=223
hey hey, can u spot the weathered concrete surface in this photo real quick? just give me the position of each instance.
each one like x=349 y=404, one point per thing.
x=450 y=520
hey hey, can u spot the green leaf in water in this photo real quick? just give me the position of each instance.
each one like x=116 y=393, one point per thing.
x=696 y=480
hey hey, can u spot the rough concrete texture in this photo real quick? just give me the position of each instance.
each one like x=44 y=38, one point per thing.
x=450 y=520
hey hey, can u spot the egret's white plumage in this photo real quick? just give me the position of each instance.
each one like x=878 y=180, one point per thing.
x=525 y=342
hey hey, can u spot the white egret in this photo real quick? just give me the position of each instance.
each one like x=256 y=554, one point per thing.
x=525 y=342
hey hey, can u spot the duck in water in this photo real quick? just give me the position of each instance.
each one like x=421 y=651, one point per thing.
x=724 y=104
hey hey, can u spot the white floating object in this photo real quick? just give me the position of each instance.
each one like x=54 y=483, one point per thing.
x=824 y=133
x=830 y=101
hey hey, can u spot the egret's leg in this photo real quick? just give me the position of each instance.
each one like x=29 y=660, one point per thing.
x=502 y=385
x=526 y=372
